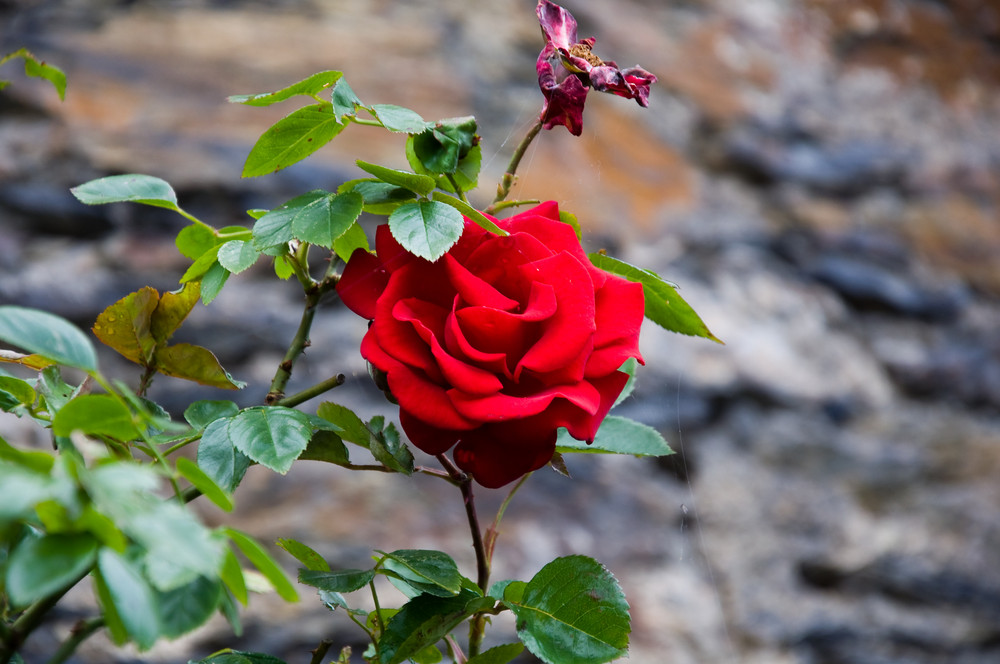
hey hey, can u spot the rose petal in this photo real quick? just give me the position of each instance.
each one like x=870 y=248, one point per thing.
x=582 y=424
x=456 y=344
x=473 y=290
x=429 y=438
x=567 y=333
x=558 y=25
x=425 y=399
x=363 y=281
x=564 y=101
x=499 y=407
x=499 y=454
x=620 y=312
x=489 y=332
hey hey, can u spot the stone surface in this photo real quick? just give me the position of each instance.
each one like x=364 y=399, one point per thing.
x=818 y=176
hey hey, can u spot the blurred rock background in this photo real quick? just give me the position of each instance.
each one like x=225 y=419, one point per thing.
x=820 y=177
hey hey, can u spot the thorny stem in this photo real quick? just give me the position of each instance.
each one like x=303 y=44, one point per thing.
x=320 y=652
x=478 y=624
x=146 y=380
x=515 y=160
x=81 y=632
x=314 y=291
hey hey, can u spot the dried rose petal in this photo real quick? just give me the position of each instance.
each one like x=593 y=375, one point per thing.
x=565 y=86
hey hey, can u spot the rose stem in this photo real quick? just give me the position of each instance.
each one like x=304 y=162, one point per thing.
x=515 y=160
x=478 y=624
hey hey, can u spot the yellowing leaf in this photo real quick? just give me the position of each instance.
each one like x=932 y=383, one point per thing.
x=125 y=325
x=173 y=308
x=195 y=363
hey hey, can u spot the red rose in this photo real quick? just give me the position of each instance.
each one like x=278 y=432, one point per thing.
x=498 y=343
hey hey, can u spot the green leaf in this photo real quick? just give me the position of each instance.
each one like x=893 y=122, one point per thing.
x=663 y=305
x=232 y=575
x=304 y=555
x=178 y=547
x=353 y=238
x=421 y=185
x=292 y=139
x=263 y=561
x=400 y=120
x=54 y=389
x=186 y=608
x=352 y=428
x=629 y=366
x=440 y=147
x=467 y=174
x=327 y=218
x=237 y=255
x=429 y=655
x=212 y=282
x=311 y=86
x=41 y=566
x=196 y=476
x=96 y=415
x=48 y=335
x=338 y=581
x=201 y=265
x=39 y=462
x=427 y=229
x=197 y=364
x=113 y=621
x=219 y=458
x=202 y=413
x=132 y=600
x=618 y=435
x=345 y=102
x=273 y=436
x=572 y=612
x=570 y=218
x=380 y=197
x=130 y=188
x=194 y=240
x=239 y=657
x=425 y=620
x=428 y=571
x=499 y=654
x=275 y=228
x=283 y=267
x=389 y=450
x=467 y=210
x=328 y=447
x=20 y=392
x=38 y=69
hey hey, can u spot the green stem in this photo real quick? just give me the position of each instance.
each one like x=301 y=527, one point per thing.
x=80 y=633
x=493 y=531
x=378 y=620
x=477 y=626
x=458 y=189
x=195 y=220
x=515 y=160
x=29 y=621
x=310 y=392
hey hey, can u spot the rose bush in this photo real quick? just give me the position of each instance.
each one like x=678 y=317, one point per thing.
x=499 y=343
